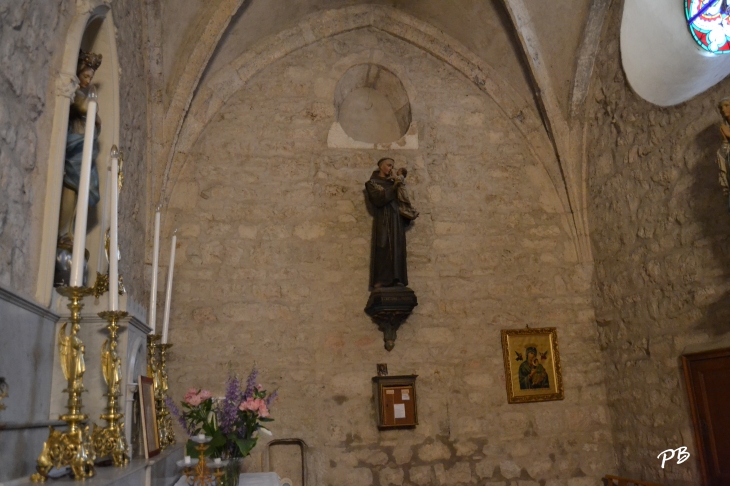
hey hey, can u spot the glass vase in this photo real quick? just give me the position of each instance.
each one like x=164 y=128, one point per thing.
x=232 y=472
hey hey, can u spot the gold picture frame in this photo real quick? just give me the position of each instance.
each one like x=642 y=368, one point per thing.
x=148 y=416
x=532 y=365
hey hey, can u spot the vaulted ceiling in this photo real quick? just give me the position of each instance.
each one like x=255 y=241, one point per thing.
x=483 y=26
x=539 y=55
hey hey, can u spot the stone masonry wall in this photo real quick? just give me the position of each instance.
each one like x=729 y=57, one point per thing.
x=272 y=268
x=29 y=35
x=129 y=17
x=32 y=36
x=661 y=231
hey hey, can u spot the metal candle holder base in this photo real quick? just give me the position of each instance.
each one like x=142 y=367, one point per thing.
x=73 y=447
x=110 y=440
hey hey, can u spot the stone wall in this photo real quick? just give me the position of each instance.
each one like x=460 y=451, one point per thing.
x=33 y=35
x=129 y=18
x=29 y=36
x=661 y=231
x=272 y=268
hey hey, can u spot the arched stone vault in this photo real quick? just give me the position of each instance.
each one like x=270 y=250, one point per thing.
x=194 y=106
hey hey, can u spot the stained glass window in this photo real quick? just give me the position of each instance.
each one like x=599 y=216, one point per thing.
x=709 y=23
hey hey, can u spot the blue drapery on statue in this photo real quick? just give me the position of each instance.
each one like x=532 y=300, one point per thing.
x=72 y=166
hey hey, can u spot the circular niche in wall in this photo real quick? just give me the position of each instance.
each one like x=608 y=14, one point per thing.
x=372 y=106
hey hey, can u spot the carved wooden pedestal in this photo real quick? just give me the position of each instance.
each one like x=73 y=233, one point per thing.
x=389 y=307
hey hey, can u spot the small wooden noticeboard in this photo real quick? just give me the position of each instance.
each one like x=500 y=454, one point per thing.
x=395 y=397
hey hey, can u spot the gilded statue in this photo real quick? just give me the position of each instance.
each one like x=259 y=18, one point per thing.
x=72 y=358
x=723 y=153
x=111 y=366
x=393 y=213
x=88 y=64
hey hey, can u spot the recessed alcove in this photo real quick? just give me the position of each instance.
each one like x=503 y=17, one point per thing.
x=372 y=110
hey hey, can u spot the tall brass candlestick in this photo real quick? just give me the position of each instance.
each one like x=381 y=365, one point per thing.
x=164 y=419
x=110 y=440
x=73 y=447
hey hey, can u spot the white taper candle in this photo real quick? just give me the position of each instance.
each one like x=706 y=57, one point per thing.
x=82 y=201
x=155 y=263
x=114 y=234
x=168 y=296
x=104 y=222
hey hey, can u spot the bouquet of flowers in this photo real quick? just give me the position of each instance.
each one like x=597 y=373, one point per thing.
x=233 y=421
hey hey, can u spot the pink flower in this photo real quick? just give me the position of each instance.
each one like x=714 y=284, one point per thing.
x=259 y=387
x=263 y=410
x=204 y=395
x=190 y=396
x=194 y=400
x=249 y=405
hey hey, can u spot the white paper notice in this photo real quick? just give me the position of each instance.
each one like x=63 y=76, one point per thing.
x=390 y=392
x=399 y=411
x=405 y=395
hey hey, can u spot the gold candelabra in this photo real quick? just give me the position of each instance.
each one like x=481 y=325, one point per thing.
x=200 y=475
x=164 y=418
x=156 y=369
x=110 y=440
x=73 y=447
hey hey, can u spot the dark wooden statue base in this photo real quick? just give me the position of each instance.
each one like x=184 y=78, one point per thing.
x=389 y=307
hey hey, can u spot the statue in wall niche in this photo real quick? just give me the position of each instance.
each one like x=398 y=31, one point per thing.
x=391 y=301
x=87 y=66
x=723 y=153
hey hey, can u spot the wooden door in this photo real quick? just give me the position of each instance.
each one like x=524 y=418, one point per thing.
x=707 y=376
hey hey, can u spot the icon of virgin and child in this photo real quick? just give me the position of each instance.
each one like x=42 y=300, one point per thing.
x=532 y=373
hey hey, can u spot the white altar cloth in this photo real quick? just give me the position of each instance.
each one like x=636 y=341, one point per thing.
x=248 y=479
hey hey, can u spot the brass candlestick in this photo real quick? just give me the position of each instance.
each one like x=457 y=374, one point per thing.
x=110 y=440
x=164 y=419
x=200 y=475
x=73 y=447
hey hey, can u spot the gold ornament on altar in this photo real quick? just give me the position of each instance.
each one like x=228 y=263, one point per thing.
x=110 y=440
x=73 y=447
x=157 y=370
x=201 y=475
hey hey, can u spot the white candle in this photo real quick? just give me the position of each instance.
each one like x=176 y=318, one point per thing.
x=155 y=262
x=104 y=222
x=82 y=201
x=114 y=235
x=187 y=459
x=168 y=296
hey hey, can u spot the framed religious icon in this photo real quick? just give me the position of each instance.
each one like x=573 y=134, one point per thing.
x=149 y=416
x=532 y=365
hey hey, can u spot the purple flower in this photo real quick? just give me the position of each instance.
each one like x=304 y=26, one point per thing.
x=251 y=384
x=271 y=398
x=178 y=416
x=229 y=409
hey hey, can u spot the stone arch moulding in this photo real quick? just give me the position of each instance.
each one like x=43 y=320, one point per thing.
x=87 y=12
x=214 y=94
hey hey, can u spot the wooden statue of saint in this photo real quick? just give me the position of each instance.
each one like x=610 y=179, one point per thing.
x=391 y=301
x=393 y=213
